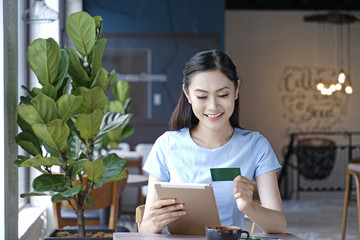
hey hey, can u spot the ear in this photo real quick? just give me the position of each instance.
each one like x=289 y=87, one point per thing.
x=237 y=89
x=186 y=93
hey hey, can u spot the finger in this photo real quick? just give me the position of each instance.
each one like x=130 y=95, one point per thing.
x=171 y=208
x=242 y=179
x=159 y=219
x=163 y=223
x=163 y=203
x=243 y=187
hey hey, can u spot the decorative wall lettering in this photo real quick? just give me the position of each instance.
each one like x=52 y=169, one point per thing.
x=304 y=107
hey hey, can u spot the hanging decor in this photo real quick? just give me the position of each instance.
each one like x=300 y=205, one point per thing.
x=39 y=12
x=334 y=49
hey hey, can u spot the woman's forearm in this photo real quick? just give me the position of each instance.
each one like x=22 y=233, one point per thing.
x=269 y=220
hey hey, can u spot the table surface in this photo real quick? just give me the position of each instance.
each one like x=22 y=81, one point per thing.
x=153 y=236
x=136 y=180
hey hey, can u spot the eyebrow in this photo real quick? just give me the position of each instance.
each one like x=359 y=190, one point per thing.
x=219 y=90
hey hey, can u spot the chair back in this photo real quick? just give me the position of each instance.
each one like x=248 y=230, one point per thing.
x=316 y=157
x=139 y=215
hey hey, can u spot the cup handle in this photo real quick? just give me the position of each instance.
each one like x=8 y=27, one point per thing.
x=247 y=235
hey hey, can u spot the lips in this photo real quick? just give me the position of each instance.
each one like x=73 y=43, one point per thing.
x=214 y=116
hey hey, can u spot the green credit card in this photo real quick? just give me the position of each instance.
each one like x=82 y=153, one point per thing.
x=224 y=174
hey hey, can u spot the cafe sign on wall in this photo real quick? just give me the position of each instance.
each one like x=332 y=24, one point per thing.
x=304 y=107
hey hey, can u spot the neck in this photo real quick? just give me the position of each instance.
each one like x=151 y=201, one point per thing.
x=211 y=139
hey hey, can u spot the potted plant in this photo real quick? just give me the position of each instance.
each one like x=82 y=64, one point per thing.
x=64 y=123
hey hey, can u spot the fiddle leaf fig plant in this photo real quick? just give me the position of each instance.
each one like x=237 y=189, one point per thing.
x=64 y=121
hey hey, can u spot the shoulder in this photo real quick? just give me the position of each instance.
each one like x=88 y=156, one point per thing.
x=252 y=137
x=173 y=136
x=242 y=133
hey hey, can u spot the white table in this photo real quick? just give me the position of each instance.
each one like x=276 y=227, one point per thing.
x=136 y=180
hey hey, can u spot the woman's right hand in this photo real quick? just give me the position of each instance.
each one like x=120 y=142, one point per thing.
x=163 y=212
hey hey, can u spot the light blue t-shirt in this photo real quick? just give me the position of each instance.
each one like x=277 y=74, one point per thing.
x=175 y=157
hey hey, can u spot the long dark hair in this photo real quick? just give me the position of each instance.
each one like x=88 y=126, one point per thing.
x=210 y=60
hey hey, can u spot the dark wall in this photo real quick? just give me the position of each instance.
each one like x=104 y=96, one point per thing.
x=156 y=37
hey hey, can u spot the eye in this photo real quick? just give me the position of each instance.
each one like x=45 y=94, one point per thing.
x=201 y=97
x=224 y=95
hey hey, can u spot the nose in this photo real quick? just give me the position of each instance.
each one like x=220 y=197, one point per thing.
x=212 y=104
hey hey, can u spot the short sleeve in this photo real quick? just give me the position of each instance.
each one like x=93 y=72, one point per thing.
x=266 y=159
x=156 y=163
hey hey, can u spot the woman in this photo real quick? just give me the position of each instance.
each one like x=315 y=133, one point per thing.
x=206 y=134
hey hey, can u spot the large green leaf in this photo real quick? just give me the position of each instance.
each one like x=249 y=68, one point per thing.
x=121 y=91
x=54 y=134
x=50 y=91
x=45 y=106
x=112 y=121
x=58 y=198
x=102 y=79
x=76 y=168
x=62 y=70
x=119 y=133
x=49 y=182
x=127 y=131
x=80 y=27
x=43 y=57
x=71 y=191
x=67 y=105
x=39 y=161
x=94 y=169
x=23 y=124
x=29 y=142
x=93 y=98
x=76 y=69
x=29 y=114
x=115 y=135
x=114 y=166
x=89 y=124
x=116 y=106
x=97 y=56
x=120 y=176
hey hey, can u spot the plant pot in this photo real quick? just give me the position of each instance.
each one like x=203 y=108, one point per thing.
x=52 y=234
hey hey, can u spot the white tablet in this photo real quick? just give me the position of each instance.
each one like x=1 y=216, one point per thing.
x=199 y=203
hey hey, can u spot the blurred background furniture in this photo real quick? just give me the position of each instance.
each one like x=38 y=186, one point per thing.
x=135 y=158
x=106 y=196
x=352 y=170
x=131 y=196
x=144 y=149
x=316 y=161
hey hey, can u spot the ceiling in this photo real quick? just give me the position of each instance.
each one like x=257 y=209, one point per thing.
x=293 y=5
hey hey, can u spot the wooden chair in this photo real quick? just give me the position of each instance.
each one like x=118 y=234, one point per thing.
x=140 y=214
x=134 y=165
x=352 y=169
x=105 y=196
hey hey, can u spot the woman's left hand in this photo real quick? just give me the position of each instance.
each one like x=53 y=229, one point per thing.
x=243 y=193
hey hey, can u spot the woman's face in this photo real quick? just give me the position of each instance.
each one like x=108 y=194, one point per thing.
x=212 y=97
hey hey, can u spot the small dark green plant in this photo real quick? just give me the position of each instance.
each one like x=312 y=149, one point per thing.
x=65 y=122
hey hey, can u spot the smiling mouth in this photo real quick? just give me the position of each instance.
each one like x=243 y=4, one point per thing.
x=213 y=115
